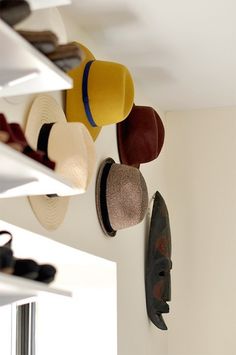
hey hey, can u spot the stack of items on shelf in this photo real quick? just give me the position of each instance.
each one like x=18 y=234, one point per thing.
x=64 y=56
x=13 y=135
x=14 y=11
x=26 y=268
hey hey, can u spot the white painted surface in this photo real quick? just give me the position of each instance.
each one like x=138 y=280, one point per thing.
x=83 y=323
x=182 y=53
x=199 y=177
x=5 y=330
x=42 y=4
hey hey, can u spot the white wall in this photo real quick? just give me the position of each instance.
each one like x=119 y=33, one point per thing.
x=199 y=175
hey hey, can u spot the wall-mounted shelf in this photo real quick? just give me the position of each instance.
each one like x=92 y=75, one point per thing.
x=17 y=289
x=41 y=4
x=23 y=176
x=24 y=70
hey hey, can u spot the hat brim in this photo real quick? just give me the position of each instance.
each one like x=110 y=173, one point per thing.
x=121 y=146
x=50 y=211
x=102 y=211
x=74 y=109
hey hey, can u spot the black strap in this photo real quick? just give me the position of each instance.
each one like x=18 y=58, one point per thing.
x=43 y=137
x=103 y=200
x=8 y=243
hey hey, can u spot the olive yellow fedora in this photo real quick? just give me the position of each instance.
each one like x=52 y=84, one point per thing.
x=102 y=93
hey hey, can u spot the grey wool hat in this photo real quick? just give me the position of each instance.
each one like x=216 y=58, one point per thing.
x=121 y=196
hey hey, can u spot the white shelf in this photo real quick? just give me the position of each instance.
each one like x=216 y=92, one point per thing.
x=17 y=289
x=23 y=176
x=24 y=70
x=42 y=4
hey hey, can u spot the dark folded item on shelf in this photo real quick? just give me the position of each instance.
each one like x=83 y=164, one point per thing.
x=6 y=260
x=30 y=269
x=4 y=129
x=46 y=273
x=38 y=155
x=13 y=135
x=66 y=56
x=45 y=41
x=7 y=136
x=14 y=11
x=26 y=268
x=6 y=254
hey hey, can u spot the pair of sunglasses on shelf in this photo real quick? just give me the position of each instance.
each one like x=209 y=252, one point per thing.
x=26 y=268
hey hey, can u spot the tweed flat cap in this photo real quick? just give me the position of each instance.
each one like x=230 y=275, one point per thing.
x=121 y=196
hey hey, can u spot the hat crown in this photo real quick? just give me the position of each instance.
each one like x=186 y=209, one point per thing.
x=109 y=93
x=140 y=136
x=72 y=148
x=126 y=196
x=112 y=81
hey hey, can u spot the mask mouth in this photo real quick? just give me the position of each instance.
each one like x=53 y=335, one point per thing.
x=159 y=321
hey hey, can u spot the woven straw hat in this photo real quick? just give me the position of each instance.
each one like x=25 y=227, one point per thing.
x=140 y=136
x=121 y=196
x=102 y=94
x=69 y=145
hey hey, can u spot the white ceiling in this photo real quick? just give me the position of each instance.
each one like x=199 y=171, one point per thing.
x=182 y=53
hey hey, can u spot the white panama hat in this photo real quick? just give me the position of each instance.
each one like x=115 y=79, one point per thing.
x=69 y=145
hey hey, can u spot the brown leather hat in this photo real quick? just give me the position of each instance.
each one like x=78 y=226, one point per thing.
x=140 y=136
x=121 y=196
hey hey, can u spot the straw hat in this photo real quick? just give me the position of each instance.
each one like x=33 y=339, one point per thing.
x=102 y=94
x=158 y=263
x=121 y=196
x=69 y=145
x=140 y=136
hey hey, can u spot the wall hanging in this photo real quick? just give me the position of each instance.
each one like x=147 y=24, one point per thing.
x=158 y=263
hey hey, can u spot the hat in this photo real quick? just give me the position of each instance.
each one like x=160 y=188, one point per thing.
x=102 y=93
x=158 y=263
x=140 y=136
x=69 y=145
x=121 y=196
